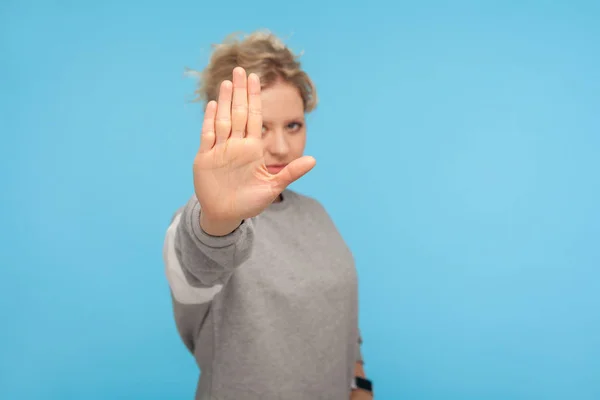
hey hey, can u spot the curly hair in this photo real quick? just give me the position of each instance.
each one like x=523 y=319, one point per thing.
x=262 y=53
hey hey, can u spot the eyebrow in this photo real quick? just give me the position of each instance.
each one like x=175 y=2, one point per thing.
x=287 y=120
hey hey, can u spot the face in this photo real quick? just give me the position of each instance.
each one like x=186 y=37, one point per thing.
x=284 y=128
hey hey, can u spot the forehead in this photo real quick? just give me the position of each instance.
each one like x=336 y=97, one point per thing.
x=281 y=101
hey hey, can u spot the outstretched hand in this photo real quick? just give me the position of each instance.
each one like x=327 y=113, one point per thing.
x=231 y=179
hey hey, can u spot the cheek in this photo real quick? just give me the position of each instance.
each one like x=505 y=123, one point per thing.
x=298 y=142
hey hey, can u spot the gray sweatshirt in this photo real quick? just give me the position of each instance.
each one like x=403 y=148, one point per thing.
x=269 y=311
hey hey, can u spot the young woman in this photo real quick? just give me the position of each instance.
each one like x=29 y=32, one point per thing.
x=264 y=288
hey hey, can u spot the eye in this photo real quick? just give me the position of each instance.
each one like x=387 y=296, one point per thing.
x=294 y=126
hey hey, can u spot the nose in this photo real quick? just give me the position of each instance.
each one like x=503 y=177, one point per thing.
x=276 y=143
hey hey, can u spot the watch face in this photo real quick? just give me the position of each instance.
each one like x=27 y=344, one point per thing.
x=364 y=384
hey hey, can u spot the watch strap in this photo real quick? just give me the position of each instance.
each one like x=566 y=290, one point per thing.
x=363 y=384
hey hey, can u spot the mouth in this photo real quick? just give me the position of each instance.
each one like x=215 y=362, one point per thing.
x=275 y=168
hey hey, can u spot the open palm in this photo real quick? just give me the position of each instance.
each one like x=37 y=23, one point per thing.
x=231 y=180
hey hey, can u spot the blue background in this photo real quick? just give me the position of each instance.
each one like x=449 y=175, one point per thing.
x=458 y=149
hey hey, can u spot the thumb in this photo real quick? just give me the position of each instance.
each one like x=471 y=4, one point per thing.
x=294 y=171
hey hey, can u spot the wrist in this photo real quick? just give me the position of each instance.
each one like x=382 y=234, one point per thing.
x=217 y=227
x=362 y=384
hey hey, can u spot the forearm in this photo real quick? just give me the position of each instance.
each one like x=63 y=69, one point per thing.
x=359 y=394
x=359 y=369
x=205 y=259
x=198 y=265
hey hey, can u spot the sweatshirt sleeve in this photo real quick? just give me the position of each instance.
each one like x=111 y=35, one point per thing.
x=198 y=264
x=359 y=356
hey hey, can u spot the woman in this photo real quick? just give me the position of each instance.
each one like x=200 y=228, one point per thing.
x=264 y=288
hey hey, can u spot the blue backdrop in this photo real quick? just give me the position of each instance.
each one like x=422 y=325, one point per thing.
x=458 y=149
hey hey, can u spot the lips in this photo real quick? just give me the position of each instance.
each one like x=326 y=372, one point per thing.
x=275 y=168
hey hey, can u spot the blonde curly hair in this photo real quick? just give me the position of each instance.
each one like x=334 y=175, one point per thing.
x=262 y=53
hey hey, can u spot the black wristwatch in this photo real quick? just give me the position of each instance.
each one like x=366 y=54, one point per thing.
x=362 y=383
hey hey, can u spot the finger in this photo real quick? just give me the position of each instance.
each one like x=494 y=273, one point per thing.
x=293 y=171
x=223 y=120
x=207 y=139
x=239 y=106
x=255 y=123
